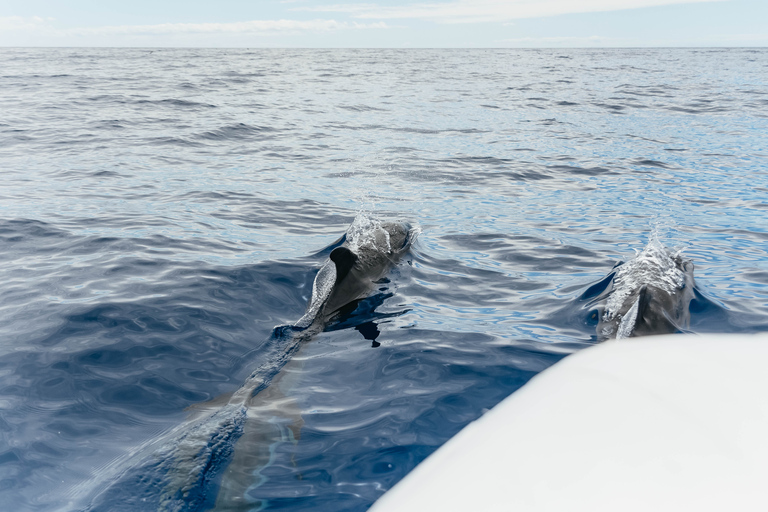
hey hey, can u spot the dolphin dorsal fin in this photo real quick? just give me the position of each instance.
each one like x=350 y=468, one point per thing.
x=344 y=259
x=643 y=301
x=650 y=317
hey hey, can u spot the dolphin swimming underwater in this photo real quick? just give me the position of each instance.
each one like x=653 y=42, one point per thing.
x=182 y=470
x=355 y=266
x=649 y=294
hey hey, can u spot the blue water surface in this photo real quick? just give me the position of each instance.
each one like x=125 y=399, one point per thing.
x=161 y=211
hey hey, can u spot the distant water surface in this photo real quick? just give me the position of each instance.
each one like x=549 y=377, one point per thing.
x=161 y=211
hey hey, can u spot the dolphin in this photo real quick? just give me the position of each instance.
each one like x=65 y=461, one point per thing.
x=365 y=254
x=357 y=263
x=650 y=294
x=183 y=470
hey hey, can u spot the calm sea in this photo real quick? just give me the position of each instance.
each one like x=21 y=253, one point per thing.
x=161 y=211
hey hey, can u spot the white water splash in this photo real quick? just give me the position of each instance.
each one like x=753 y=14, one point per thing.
x=368 y=232
x=628 y=322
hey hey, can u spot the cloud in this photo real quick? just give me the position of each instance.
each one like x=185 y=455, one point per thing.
x=741 y=38
x=483 y=11
x=562 y=42
x=722 y=40
x=255 y=27
x=19 y=23
x=555 y=40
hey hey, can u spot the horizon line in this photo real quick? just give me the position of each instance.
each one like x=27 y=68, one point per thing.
x=389 y=47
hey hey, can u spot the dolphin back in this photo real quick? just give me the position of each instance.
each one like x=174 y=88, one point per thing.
x=647 y=295
x=370 y=248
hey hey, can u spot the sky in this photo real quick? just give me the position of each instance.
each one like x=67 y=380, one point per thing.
x=390 y=24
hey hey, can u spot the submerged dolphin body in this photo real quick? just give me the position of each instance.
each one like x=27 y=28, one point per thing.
x=182 y=470
x=649 y=294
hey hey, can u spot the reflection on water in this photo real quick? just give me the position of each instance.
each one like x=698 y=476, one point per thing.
x=161 y=213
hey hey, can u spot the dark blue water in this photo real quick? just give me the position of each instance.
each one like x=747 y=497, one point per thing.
x=162 y=211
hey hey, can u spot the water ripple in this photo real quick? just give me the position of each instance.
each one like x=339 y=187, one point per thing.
x=162 y=210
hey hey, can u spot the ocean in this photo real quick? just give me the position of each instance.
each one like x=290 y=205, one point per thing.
x=162 y=211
